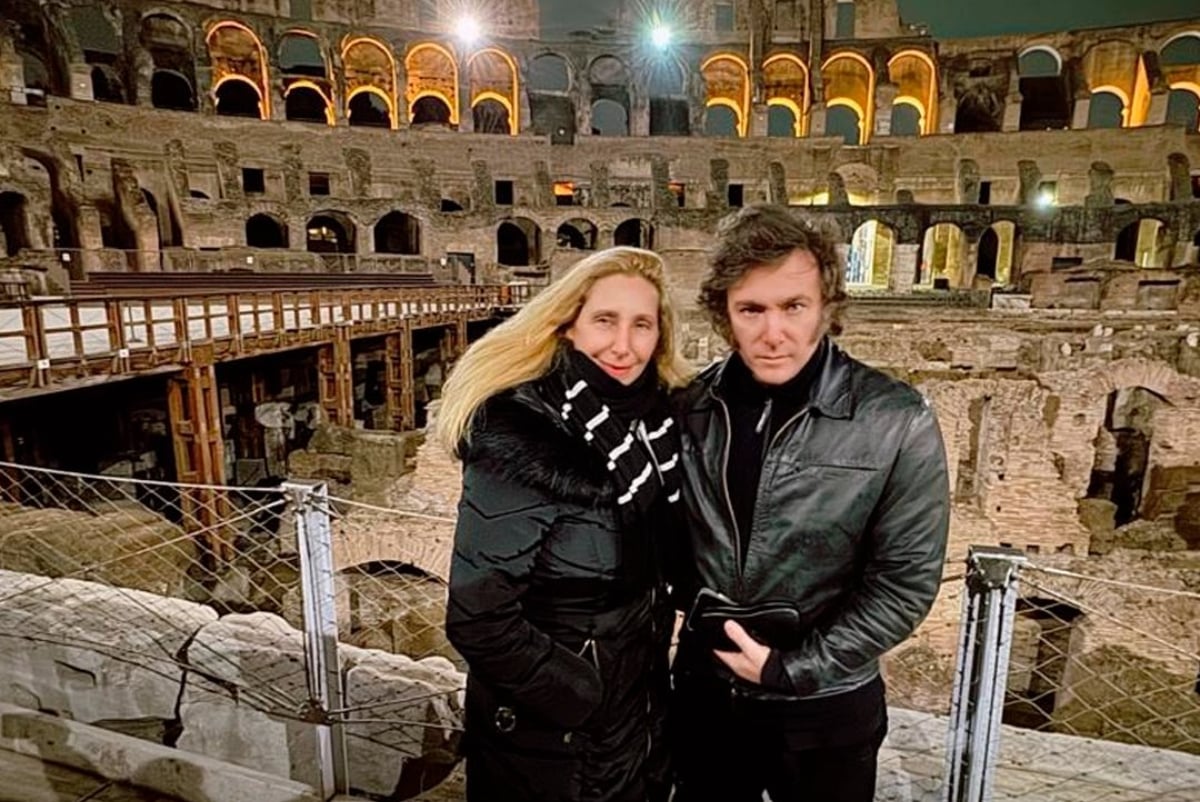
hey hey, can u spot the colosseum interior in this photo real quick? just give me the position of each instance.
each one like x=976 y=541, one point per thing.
x=1019 y=215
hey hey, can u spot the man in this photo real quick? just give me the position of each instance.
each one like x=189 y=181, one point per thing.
x=809 y=479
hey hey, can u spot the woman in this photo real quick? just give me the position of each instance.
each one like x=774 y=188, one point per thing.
x=569 y=490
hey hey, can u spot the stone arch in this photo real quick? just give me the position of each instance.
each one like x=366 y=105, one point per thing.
x=548 y=90
x=1123 y=450
x=1046 y=100
x=609 y=118
x=518 y=242
x=861 y=182
x=370 y=108
x=943 y=257
x=609 y=79
x=431 y=110
x=915 y=76
x=305 y=102
x=102 y=50
x=1183 y=106
x=849 y=85
x=369 y=73
x=634 y=232
x=1110 y=70
x=398 y=232
x=330 y=232
x=1143 y=243
x=869 y=262
x=785 y=86
x=41 y=57
x=265 y=230
x=721 y=119
x=300 y=54
x=167 y=39
x=238 y=61
x=432 y=72
x=237 y=97
x=492 y=78
x=578 y=234
x=14 y=222
x=670 y=113
x=727 y=85
x=996 y=255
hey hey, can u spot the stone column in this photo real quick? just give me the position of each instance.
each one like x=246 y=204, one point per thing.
x=904 y=268
x=759 y=114
x=466 y=118
x=1083 y=109
x=885 y=98
x=816 y=119
x=947 y=111
x=1012 y=112
x=1158 y=107
x=81 y=81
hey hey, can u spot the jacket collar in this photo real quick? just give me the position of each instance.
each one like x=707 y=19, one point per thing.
x=831 y=392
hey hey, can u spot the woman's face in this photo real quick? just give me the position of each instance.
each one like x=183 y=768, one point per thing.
x=618 y=326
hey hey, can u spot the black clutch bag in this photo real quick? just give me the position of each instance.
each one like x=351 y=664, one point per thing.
x=773 y=623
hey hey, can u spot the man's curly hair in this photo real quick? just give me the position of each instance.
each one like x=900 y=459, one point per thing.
x=764 y=235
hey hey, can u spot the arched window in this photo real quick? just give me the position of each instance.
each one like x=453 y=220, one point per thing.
x=264 y=231
x=906 y=120
x=785 y=84
x=844 y=121
x=13 y=222
x=577 y=234
x=549 y=73
x=518 y=243
x=300 y=54
x=942 y=255
x=720 y=121
x=1106 y=110
x=490 y=116
x=635 y=233
x=1045 y=99
x=727 y=84
x=781 y=120
x=170 y=90
x=551 y=109
x=609 y=118
x=397 y=232
x=237 y=98
x=430 y=110
x=1183 y=108
x=368 y=109
x=869 y=263
x=669 y=113
x=330 y=232
x=305 y=104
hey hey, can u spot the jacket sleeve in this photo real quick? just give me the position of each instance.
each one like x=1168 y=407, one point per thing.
x=501 y=526
x=903 y=568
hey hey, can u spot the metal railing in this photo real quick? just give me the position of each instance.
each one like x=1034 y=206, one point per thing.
x=42 y=337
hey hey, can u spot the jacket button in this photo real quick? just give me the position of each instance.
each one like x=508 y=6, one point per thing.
x=567 y=738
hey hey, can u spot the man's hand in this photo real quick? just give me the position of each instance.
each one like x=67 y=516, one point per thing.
x=747 y=663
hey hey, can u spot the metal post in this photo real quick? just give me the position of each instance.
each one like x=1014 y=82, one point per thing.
x=314 y=541
x=985 y=641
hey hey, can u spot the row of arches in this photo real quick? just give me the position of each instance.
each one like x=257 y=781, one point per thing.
x=518 y=240
x=942 y=262
x=1117 y=77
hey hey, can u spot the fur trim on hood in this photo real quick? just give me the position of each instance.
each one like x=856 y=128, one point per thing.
x=516 y=436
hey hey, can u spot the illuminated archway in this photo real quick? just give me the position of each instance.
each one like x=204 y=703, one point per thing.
x=915 y=76
x=1046 y=102
x=1114 y=70
x=369 y=106
x=727 y=82
x=492 y=75
x=305 y=102
x=908 y=117
x=850 y=82
x=1109 y=108
x=943 y=257
x=844 y=118
x=869 y=263
x=722 y=118
x=368 y=66
x=1183 y=105
x=785 y=85
x=236 y=96
x=432 y=72
x=237 y=53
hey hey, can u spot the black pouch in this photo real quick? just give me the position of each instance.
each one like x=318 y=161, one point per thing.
x=773 y=623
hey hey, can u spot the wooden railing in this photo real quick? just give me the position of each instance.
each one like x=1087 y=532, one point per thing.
x=47 y=340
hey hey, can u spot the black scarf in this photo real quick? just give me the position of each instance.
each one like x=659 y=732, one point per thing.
x=627 y=424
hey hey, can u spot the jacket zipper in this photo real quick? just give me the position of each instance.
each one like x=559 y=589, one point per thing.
x=737 y=535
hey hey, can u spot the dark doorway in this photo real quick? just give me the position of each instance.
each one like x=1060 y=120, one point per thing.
x=238 y=99
x=369 y=109
x=430 y=110
x=397 y=232
x=170 y=90
x=264 y=231
x=989 y=254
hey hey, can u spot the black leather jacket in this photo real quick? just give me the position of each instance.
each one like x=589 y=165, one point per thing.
x=849 y=523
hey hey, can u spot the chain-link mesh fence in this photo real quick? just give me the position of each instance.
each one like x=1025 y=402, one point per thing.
x=1110 y=667
x=177 y=613
x=190 y=616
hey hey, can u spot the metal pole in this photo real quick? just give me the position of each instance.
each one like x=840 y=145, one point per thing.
x=314 y=541
x=973 y=736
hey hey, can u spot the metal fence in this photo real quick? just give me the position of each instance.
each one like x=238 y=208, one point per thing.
x=297 y=633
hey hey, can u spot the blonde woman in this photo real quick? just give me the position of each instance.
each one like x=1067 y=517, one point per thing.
x=570 y=491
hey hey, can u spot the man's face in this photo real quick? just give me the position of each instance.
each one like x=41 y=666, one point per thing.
x=777 y=317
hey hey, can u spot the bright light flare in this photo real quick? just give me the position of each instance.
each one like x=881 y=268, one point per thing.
x=468 y=30
x=661 y=35
x=1044 y=200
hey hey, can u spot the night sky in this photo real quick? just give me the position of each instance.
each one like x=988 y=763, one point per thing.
x=946 y=18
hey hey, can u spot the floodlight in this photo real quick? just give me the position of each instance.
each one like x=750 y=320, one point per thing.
x=1045 y=199
x=468 y=30
x=661 y=35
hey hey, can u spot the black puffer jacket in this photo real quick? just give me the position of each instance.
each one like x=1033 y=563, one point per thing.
x=559 y=614
x=849 y=523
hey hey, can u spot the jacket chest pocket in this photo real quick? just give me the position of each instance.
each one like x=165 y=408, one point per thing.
x=825 y=499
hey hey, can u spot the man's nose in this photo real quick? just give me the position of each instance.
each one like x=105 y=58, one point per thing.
x=773 y=328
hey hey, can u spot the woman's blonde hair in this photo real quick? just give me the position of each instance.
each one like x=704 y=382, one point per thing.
x=522 y=347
